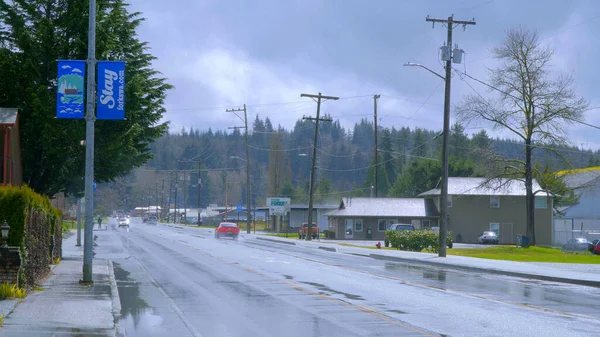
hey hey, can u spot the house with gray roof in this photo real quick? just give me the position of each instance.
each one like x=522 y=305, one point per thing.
x=476 y=205
x=581 y=219
x=356 y=216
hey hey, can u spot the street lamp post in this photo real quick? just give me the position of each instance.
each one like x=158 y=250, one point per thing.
x=445 y=153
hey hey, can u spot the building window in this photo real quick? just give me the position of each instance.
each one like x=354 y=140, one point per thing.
x=358 y=225
x=449 y=204
x=426 y=224
x=494 y=201
x=381 y=225
x=541 y=202
x=495 y=227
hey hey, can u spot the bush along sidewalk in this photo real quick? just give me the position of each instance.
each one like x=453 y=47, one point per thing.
x=415 y=241
x=35 y=232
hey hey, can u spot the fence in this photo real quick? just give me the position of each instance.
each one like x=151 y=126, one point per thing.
x=562 y=236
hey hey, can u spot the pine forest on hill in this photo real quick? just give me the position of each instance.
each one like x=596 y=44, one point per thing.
x=280 y=163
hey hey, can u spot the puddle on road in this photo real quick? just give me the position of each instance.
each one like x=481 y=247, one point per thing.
x=326 y=290
x=137 y=318
x=427 y=273
x=397 y=311
x=288 y=277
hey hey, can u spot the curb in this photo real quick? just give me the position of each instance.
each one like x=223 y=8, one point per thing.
x=277 y=241
x=589 y=283
x=329 y=249
x=116 y=300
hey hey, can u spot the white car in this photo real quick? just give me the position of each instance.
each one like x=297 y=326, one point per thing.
x=123 y=222
x=152 y=220
x=488 y=237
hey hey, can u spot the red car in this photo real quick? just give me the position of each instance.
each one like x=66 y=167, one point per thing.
x=596 y=247
x=227 y=229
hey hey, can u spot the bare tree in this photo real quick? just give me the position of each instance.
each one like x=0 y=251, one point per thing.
x=531 y=103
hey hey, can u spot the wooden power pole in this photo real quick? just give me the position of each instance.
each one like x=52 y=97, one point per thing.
x=375 y=97
x=317 y=98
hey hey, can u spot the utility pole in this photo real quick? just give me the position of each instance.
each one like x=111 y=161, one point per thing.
x=90 y=118
x=247 y=165
x=176 y=185
x=226 y=191
x=448 y=79
x=184 y=197
x=156 y=198
x=78 y=222
x=317 y=98
x=162 y=200
x=375 y=97
x=199 y=189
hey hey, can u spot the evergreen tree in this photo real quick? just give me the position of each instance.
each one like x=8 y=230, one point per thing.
x=34 y=35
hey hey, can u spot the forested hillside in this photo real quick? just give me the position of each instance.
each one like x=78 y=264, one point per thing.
x=281 y=159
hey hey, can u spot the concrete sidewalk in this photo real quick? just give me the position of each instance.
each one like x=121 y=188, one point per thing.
x=581 y=274
x=66 y=308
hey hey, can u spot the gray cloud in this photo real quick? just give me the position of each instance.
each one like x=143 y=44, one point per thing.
x=225 y=53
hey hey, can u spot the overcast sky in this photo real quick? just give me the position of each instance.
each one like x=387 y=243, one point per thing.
x=223 y=53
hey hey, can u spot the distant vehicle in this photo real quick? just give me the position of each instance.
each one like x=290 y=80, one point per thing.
x=123 y=222
x=227 y=229
x=152 y=220
x=488 y=237
x=304 y=230
x=401 y=227
x=578 y=244
x=436 y=229
x=596 y=248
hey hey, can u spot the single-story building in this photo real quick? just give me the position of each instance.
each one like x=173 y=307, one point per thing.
x=298 y=215
x=476 y=205
x=581 y=219
x=356 y=216
x=11 y=169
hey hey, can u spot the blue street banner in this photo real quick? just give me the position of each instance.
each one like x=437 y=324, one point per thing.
x=70 y=89
x=111 y=90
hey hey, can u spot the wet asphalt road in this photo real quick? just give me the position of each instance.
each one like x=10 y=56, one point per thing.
x=183 y=282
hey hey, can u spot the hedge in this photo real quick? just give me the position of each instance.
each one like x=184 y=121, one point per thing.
x=415 y=241
x=33 y=226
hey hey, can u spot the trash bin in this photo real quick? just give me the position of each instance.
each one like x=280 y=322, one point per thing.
x=523 y=241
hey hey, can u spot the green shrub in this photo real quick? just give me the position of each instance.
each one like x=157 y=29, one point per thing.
x=33 y=222
x=415 y=241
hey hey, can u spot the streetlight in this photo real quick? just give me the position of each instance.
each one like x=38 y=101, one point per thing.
x=411 y=64
x=247 y=192
x=4 y=229
x=445 y=134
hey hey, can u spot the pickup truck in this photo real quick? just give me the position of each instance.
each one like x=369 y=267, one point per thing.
x=304 y=229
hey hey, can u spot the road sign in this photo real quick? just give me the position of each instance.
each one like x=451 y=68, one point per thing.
x=278 y=206
x=239 y=208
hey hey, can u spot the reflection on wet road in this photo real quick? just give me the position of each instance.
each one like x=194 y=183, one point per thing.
x=185 y=283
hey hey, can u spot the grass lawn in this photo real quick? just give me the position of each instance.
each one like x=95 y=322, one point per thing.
x=290 y=235
x=531 y=254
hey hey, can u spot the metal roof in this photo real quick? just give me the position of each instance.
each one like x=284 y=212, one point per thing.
x=8 y=115
x=483 y=186
x=383 y=207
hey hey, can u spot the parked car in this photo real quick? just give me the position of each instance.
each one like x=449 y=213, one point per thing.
x=304 y=230
x=227 y=229
x=123 y=222
x=578 y=244
x=401 y=227
x=488 y=238
x=596 y=248
x=152 y=220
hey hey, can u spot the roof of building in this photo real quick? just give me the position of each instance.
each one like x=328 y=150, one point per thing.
x=384 y=207
x=582 y=178
x=483 y=186
x=302 y=206
x=8 y=115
